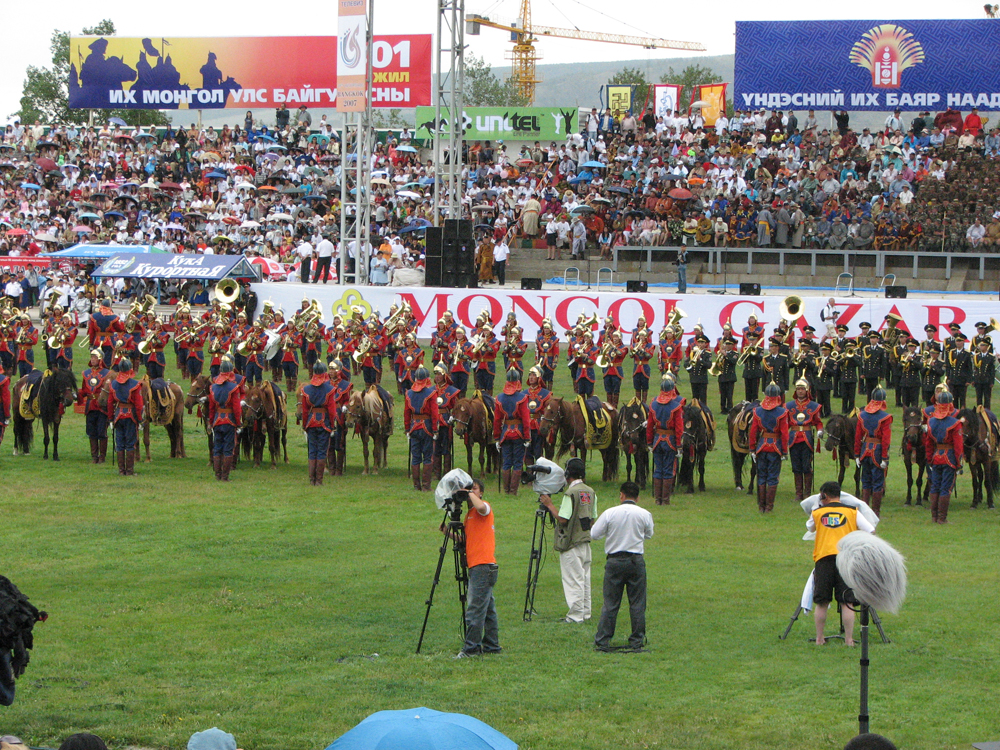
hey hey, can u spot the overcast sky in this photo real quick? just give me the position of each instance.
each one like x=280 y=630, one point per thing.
x=26 y=41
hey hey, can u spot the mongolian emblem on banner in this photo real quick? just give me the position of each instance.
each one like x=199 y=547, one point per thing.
x=887 y=51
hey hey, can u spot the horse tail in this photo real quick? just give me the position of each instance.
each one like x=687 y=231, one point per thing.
x=24 y=433
x=995 y=475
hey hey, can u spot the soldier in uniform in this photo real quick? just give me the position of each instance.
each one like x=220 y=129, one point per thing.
x=849 y=368
x=538 y=397
x=547 y=352
x=317 y=412
x=486 y=358
x=102 y=328
x=446 y=395
x=421 y=420
x=930 y=342
x=336 y=454
x=664 y=432
x=614 y=372
x=931 y=374
x=895 y=355
x=584 y=356
x=125 y=406
x=826 y=368
x=890 y=337
x=984 y=364
x=863 y=338
x=225 y=417
x=958 y=370
x=803 y=418
x=460 y=356
x=954 y=330
x=804 y=363
x=842 y=338
x=512 y=430
x=642 y=352
x=982 y=334
x=872 y=437
x=775 y=364
x=727 y=374
x=94 y=378
x=944 y=447
x=698 y=365
x=769 y=443
x=872 y=363
x=752 y=367
x=908 y=385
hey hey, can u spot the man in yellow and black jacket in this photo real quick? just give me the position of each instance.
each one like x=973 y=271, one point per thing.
x=832 y=521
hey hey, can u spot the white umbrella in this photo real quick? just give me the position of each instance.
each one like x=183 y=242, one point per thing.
x=279 y=217
x=700 y=104
x=246 y=186
x=409 y=194
x=45 y=237
x=249 y=224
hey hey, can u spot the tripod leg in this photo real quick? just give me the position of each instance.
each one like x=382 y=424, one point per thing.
x=863 y=711
x=534 y=564
x=798 y=611
x=878 y=624
x=437 y=578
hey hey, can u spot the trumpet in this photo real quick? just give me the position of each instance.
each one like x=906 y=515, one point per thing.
x=396 y=319
x=190 y=332
x=716 y=370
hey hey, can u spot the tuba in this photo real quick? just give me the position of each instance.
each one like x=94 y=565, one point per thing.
x=227 y=291
x=790 y=309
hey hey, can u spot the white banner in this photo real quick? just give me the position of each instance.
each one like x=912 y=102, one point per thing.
x=666 y=99
x=712 y=311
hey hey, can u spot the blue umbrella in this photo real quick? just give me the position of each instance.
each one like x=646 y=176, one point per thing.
x=426 y=180
x=620 y=190
x=406 y=149
x=216 y=175
x=276 y=147
x=116 y=214
x=592 y=163
x=411 y=228
x=117 y=121
x=422 y=729
x=268 y=138
x=29 y=186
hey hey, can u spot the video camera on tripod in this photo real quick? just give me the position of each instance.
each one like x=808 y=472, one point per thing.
x=547 y=478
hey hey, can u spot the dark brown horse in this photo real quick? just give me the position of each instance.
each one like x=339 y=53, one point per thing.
x=738 y=427
x=697 y=439
x=265 y=419
x=48 y=396
x=197 y=395
x=163 y=406
x=566 y=417
x=632 y=438
x=840 y=442
x=979 y=435
x=471 y=420
x=371 y=418
x=914 y=453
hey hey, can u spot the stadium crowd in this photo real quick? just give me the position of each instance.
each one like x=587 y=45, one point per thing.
x=757 y=178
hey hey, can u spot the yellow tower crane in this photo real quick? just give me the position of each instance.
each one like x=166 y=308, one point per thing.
x=524 y=55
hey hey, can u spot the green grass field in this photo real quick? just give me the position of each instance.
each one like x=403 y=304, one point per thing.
x=286 y=613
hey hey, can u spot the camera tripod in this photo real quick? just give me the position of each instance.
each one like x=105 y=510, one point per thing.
x=542 y=519
x=869 y=610
x=454 y=537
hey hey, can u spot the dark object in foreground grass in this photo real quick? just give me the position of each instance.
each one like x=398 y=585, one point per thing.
x=17 y=619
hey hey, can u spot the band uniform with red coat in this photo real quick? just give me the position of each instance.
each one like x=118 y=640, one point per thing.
x=446 y=395
x=318 y=405
x=102 y=329
x=664 y=432
x=421 y=420
x=805 y=427
x=584 y=356
x=538 y=397
x=872 y=437
x=512 y=429
x=125 y=405
x=768 y=438
x=27 y=337
x=4 y=402
x=97 y=416
x=944 y=446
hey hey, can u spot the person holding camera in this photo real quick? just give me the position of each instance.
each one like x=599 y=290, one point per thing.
x=624 y=530
x=512 y=430
x=482 y=629
x=572 y=538
x=421 y=420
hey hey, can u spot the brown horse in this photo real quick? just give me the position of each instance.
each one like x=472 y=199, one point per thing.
x=566 y=417
x=53 y=392
x=471 y=420
x=197 y=395
x=368 y=414
x=738 y=426
x=163 y=406
x=265 y=419
x=632 y=438
x=840 y=442
x=914 y=453
x=697 y=440
x=979 y=435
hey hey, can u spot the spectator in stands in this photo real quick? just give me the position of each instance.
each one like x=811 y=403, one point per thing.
x=975 y=233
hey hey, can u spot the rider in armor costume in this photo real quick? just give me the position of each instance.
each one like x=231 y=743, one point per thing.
x=421 y=420
x=225 y=417
x=805 y=429
x=664 y=432
x=768 y=440
x=336 y=455
x=97 y=416
x=125 y=406
x=318 y=412
x=944 y=446
x=512 y=430
x=872 y=438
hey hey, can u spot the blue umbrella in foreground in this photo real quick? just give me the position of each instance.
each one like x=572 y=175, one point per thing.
x=421 y=729
x=594 y=164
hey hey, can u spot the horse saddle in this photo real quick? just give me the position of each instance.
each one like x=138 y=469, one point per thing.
x=29 y=406
x=490 y=403
x=992 y=428
x=162 y=402
x=599 y=430
x=708 y=419
x=741 y=428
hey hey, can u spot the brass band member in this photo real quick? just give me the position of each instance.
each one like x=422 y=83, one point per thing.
x=958 y=370
x=805 y=427
x=725 y=366
x=642 y=351
x=983 y=372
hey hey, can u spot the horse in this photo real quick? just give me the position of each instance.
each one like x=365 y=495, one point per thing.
x=632 y=439
x=738 y=427
x=197 y=395
x=914 y=453
x=265 y=419
x=471 y=419
x=566 y=416
x=162 y=406
x=695 y=444
x=840 y=443
x=56 y=391
x=371 y=418
x=979 y=436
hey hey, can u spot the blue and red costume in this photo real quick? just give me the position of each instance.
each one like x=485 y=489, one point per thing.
x=421 y=420
x=803 y=417
x=446 y=395
x=512 y=429
x=125 y=406
x=547 y=346
x=103 y=328
x=318 y=404
x=538 y=397
x=768 y=439
x=225 y=414
x=342 y=387
x=196 y=353
x=27 y=337
x=486 y=362
x=871 y=445
x=4 y=402
x=94 y=379
x=156 y=361
x=584 y=359
x=944 y=446
x=614 y=373
x=641 y=356
x=664 y=432
x=64 y=354
x=460 y=353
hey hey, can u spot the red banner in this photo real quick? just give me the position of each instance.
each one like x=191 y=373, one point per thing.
x=244 y=72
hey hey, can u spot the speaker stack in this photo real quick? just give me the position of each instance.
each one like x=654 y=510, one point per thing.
x=458 y=255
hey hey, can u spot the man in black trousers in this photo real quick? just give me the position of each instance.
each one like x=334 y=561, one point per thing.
x=624 y=529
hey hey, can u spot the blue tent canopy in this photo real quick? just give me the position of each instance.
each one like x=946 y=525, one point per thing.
x=98 y=252
x=140 y=265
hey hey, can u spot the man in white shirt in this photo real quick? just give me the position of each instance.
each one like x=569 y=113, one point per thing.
x=305 y=251
x=324 y=252
x=975 y=233
x=500 y=254
x=624 y=529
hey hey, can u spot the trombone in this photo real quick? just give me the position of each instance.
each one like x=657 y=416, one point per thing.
x=754 y=348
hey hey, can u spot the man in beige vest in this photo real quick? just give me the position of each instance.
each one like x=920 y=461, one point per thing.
x=572 y=539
